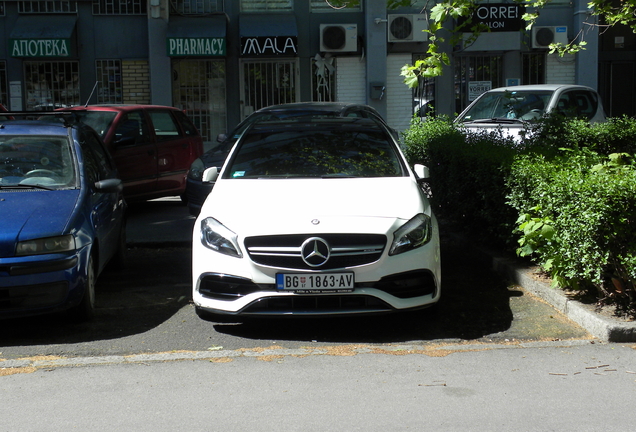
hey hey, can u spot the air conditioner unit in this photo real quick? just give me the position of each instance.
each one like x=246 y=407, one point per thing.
x=542 y=37
x=407 y=28
x=338 y=37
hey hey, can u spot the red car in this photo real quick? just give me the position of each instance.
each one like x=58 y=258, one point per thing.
x=153 y=146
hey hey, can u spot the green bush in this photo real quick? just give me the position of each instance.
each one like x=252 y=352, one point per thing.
x=467 y=175
x=564 y=195
x=578 y=220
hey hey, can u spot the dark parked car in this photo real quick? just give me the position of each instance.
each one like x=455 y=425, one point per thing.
x=153 y=146
x=197 y=191
x=62 y=216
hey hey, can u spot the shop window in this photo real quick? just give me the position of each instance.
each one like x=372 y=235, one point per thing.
x=266 y=5
x=109 y=87
x=119 y=7
x=332 y=6
x=198 y=87
x=4 y=97
x=533 y=68
x=324 y=79
x=487 y=69
x=51 y=85
x=268 y=82
x=195 y=7
x=44 y=6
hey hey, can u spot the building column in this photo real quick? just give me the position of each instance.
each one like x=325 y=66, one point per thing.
x=586 y=60
x=375 y=50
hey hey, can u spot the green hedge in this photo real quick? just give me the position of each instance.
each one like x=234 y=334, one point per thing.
x=578 y=220
x=565 y=195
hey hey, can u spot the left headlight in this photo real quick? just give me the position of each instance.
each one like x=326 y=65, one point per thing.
x=47 y=245
x=411 y=235
x=196 y=169
x=218 y=237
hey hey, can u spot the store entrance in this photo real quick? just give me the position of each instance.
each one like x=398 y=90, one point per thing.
x=268 y=82
x=198 y=87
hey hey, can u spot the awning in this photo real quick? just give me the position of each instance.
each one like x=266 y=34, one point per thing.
x=197 y=37
x=42 y=36
x=268 y=34
x=267 y=25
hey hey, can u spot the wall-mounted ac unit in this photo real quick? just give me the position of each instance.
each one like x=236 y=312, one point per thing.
x=407 y=28
x=542 y=37
x=338 y=37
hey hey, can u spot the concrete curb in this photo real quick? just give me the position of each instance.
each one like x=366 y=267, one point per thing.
x=604 y=328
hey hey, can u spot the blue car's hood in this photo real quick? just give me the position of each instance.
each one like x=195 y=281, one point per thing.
x=33 y=214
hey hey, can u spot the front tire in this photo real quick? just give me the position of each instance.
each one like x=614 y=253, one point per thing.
x=85 y=310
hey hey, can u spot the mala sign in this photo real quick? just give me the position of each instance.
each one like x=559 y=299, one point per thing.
x=498 y=17
x=200 y=47
x=40 y=47
x=279 y=45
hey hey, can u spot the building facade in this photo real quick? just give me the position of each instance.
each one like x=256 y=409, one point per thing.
x=221 y=59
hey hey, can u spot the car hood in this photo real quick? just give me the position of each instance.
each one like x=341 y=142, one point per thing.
x=254 y=207
x=34 y=214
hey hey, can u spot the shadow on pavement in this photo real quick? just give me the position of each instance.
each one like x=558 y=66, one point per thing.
x=475 y=302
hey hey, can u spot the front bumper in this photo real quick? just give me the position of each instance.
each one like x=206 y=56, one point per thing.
x=36 y=285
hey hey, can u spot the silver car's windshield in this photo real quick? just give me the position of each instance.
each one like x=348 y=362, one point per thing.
x=43 y=162
x=522 y=105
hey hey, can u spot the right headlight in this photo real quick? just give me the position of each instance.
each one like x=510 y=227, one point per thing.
x=413 y=234
x=218 y=237
x=196 y=169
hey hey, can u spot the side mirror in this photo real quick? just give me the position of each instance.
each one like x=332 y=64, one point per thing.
x=210 y=175
x=109 y=186
x=421 y=172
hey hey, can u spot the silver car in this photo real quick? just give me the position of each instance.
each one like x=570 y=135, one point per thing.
x=512 y=108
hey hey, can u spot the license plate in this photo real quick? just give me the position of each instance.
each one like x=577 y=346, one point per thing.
x=310 y=283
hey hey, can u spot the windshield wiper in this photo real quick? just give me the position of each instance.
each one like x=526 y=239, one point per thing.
x=21 y=186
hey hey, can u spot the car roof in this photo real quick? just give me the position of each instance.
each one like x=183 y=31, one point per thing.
x=117 y=107
x=312 y=123
x=38 y=127
x=538 y=87
x=316 y=106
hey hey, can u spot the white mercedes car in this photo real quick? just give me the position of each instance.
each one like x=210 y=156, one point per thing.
x=315 y=217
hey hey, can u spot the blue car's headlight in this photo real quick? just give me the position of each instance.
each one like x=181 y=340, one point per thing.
x=196 y=169
x=47 y=245
x=411 y=235
x=216 y=236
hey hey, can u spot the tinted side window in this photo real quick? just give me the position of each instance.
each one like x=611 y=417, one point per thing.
x=96 y=161
x=578 y=103
x=165 y=126
x=132 y=129
x=189 y=129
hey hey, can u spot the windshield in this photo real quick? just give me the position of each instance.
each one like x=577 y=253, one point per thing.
x=523 y=105
x=101 y=121
x=36 y=161
x=315 y=152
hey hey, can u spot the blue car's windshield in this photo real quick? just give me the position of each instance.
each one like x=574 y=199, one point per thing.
x=36 y=161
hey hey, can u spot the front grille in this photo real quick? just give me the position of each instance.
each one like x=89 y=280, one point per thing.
x=317 y=305
x=346 y=250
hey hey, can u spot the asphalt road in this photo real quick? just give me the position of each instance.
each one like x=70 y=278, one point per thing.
x=145 y=307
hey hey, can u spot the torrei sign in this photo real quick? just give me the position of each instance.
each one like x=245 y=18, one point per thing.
x=40 y=47
x=499 y=16
x=269 y=45
x=196 y=46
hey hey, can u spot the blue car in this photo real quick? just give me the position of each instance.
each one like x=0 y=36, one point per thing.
x=62 y=217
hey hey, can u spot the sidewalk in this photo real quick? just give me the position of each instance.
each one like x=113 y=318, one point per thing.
x=167 y=222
